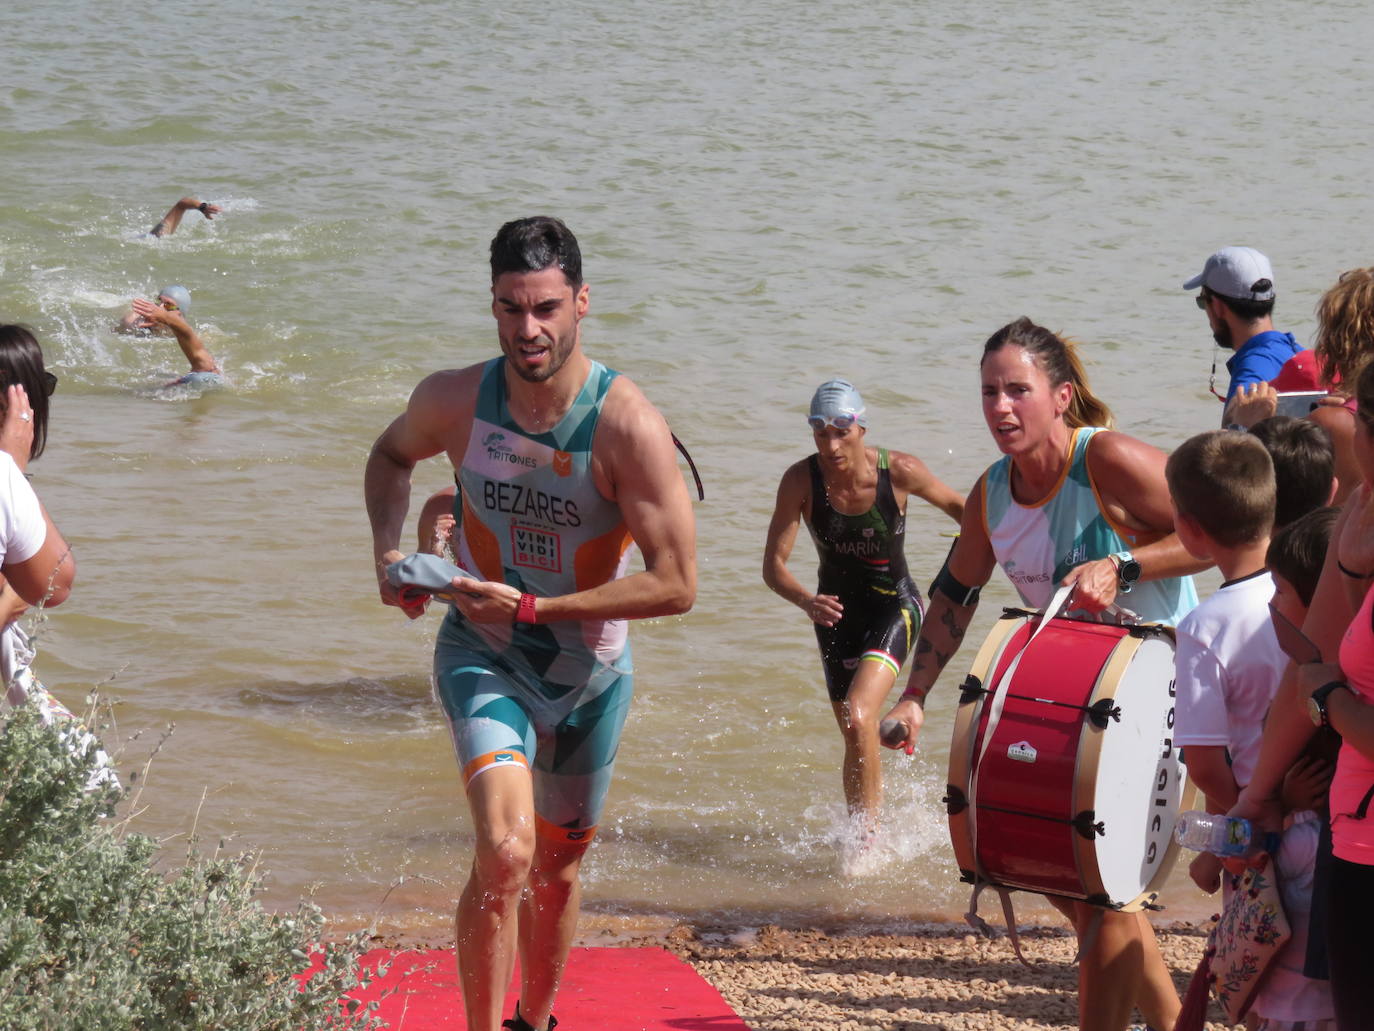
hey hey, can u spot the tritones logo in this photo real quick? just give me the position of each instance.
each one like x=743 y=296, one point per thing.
x=499 y=451
x=503 y=757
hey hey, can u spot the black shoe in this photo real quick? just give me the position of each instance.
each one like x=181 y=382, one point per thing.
x=519 y=1023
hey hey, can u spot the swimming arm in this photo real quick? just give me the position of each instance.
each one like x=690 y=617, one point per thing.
x=167 y=225
x=187 y=338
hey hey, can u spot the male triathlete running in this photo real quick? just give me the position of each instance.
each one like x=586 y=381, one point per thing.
x=562 y=465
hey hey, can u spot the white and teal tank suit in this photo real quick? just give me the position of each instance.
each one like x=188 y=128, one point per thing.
x=551 y=697
x=1036 y=545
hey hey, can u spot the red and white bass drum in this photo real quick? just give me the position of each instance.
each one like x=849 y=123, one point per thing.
x=1063 y=774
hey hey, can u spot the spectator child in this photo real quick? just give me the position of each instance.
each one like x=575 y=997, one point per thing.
x=1304 y=466
x=1229 y=662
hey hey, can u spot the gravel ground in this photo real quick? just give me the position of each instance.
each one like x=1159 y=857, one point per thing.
x=938 y=977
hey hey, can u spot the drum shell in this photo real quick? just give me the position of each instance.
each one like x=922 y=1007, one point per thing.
x=1027 y=795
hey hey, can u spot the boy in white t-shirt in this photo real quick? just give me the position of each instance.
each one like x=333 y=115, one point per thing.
x=1228 y=661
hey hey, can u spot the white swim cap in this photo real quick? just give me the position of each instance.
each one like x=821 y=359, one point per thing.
x=179 y=295
x=837 y=403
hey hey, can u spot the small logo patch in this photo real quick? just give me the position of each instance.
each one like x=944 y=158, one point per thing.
x=576 y=835
x=562 y=463
x=503 y=757
x=1022 y=752
x=535 y=548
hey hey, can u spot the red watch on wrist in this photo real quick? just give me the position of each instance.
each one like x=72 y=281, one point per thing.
x=524 y=612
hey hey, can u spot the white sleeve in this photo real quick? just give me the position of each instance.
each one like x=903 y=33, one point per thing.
x=22 y=529
x=1200 y=705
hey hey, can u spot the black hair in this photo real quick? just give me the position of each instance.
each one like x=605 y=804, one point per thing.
x=1304 y=465
x=534 y=244
x=21 y=362
x=1247 y=310
x=1297 y=552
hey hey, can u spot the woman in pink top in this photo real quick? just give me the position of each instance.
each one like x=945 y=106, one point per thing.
x=1343 y=698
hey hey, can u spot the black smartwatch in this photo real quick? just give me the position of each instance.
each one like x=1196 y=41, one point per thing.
x=1127 y=571
x=1316 y=704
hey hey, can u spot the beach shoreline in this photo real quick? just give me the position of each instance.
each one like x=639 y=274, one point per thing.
x=921 y=977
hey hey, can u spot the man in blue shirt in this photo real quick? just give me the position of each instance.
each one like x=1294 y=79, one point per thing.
x=1238 y=297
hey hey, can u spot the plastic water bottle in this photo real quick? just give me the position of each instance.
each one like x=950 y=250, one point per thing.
x=1212 y=832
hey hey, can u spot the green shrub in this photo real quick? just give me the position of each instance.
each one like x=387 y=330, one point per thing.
x=93 y=936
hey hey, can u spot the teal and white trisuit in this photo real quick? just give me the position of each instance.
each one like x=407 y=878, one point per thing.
x=1036 y=545
x=550 y=697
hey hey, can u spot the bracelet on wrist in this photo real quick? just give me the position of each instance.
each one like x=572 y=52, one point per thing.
x=913 y=694
x=204 y=207
x=524 y=611
x=1351 y=573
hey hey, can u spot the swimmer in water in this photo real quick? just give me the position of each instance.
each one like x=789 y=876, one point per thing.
x=867 y=610
x=167 y=225
x=168 y=317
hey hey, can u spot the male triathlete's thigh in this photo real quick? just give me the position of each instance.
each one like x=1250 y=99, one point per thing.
x=572 y=771
x=489 y=719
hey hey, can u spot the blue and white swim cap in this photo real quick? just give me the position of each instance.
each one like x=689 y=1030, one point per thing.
x=178 y=295
x=837 y=403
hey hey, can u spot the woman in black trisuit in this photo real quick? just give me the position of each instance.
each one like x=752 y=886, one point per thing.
x=866 y=608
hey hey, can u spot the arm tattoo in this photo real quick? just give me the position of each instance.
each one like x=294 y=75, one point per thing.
x=952 y=626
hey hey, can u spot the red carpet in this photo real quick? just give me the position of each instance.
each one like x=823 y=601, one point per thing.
x=603 y=990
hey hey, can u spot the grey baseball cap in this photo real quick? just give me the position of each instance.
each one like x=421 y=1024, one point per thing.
x=1241 y=273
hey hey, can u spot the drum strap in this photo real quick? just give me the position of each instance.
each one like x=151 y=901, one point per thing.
x=995 y=707
x=1089 y=938
x=984 y=928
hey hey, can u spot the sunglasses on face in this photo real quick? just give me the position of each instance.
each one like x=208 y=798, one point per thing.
x=1202 y=300
x=49 y=384
x=839 y=422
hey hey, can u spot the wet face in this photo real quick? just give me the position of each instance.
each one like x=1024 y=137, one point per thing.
x=537 y=320
x=1020 y=406
x=840 y=449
